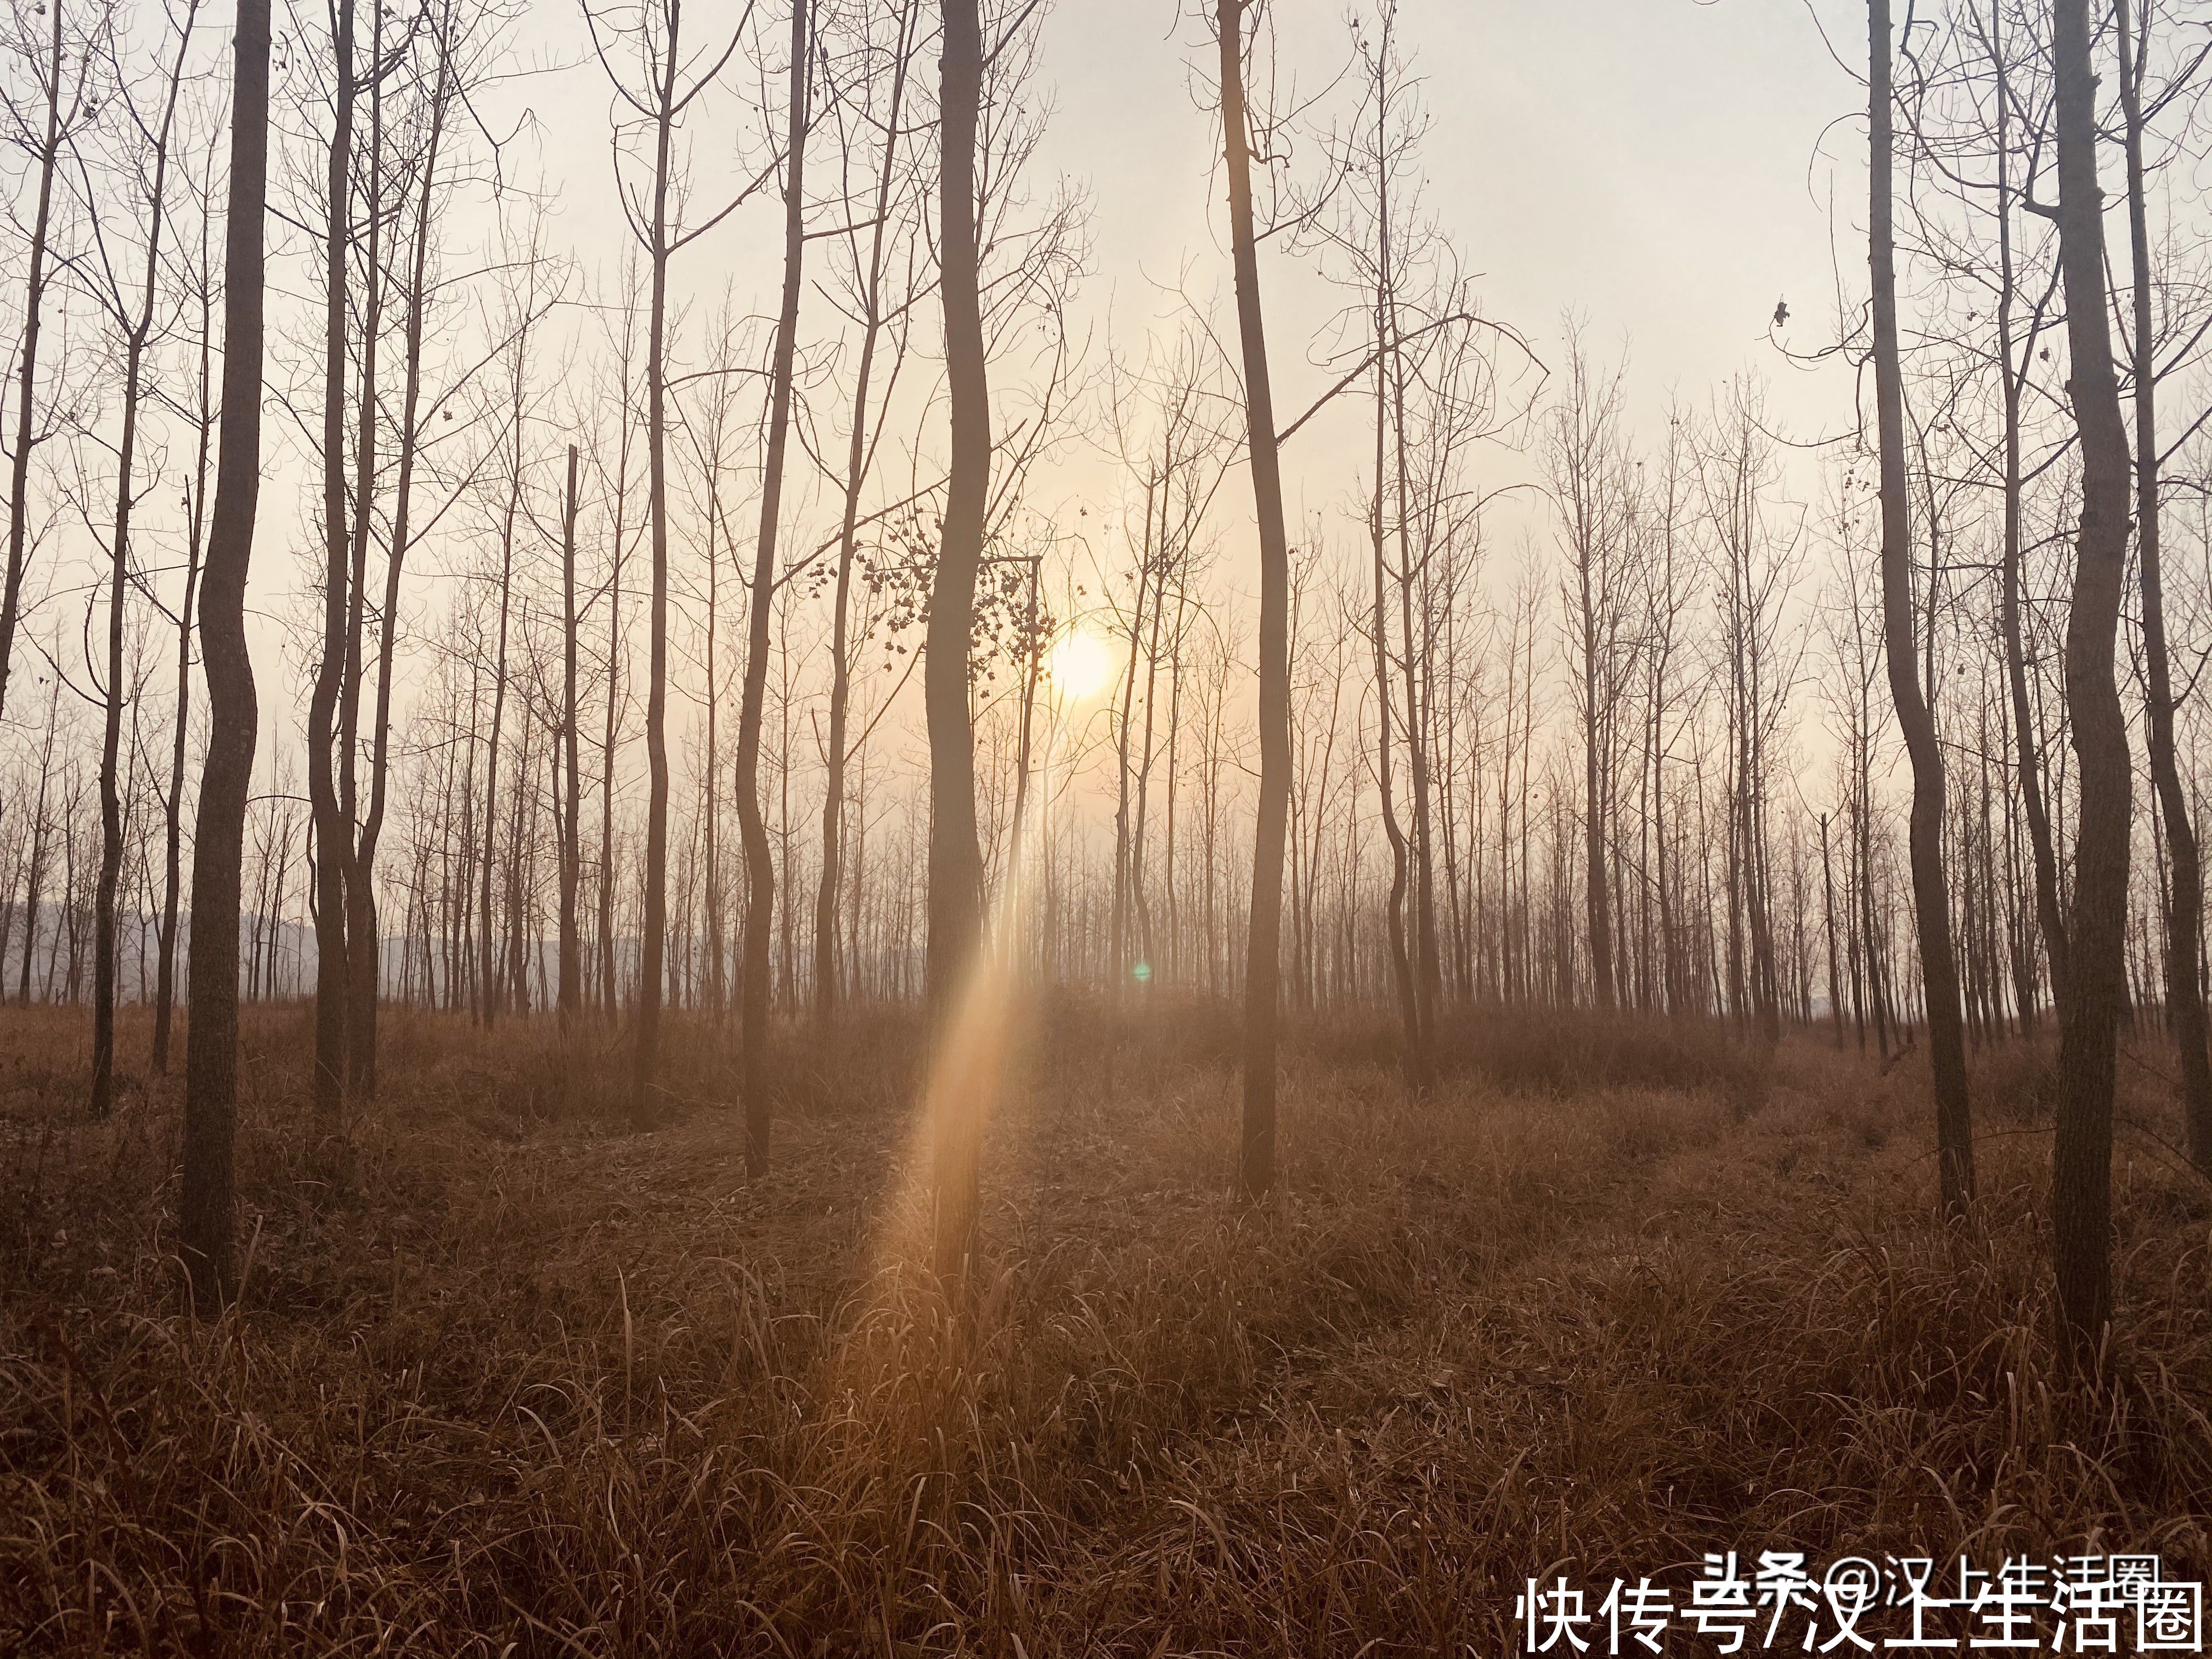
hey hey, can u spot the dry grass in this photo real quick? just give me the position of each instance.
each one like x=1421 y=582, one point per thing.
x=507 y=1380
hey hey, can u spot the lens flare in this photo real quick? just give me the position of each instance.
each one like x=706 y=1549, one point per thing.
x=1080 y=663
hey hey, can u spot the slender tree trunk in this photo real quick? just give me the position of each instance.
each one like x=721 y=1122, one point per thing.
x=856 y=469
x=1263 y=965
x=1939 y=967
x=34 y=298
x=2184 y=989
x=2049 y=913
x=1402 y=966
x=760 y=868
x=363 y=949
x=2082 y=1159
x=489 y=965
x=572 y=966
x=333 y=827
x=140 y=328
x=365 y=946
x=173 y=802
x=206 y=1202
x=956 y=862
x=652 y=943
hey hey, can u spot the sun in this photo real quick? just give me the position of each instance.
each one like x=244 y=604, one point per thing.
x=1080 y=663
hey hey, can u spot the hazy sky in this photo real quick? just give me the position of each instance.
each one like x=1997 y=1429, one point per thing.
x=1651 y=163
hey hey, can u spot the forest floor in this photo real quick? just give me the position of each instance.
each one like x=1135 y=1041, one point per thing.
x=506 y=1378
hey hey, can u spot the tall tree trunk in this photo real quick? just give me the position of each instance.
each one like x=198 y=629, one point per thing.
x=2185 y=987
x=1263 y=965
x=2082 y=1156
x=572 y=967
x=760 y=866
x=365 y=947
x=333 y=825
x=488 y=958
x=2033 y=804
x=858 y=450
x=34 y=298
x=140 y=331
x=1939 y=967
x=363 y=950
x=205 y=1203
x=195 y=547
x=652 y=943
x=1402 y=966
x=956 y=862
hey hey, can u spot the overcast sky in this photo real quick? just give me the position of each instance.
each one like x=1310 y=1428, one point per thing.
x=1655 y=165
x=1651 y=163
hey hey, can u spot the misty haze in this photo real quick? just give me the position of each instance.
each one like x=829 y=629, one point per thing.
x=1034 y=828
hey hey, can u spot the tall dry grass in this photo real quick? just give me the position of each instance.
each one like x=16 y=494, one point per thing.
x=506 y=1380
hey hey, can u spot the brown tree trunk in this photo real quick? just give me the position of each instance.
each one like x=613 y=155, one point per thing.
x=205 y=1203
x=956 y=862
x=760 y=868
x=572 y=967
x=365 y=947
x=140 y=330
x=333 y=826
x=1939 y=967
x=2082 y=1156
x=651 y=942
x=1263 y=966
x=2185 y=889
x=856 y=468
x=35 y=293
x=2049 y=916
x=194 y=546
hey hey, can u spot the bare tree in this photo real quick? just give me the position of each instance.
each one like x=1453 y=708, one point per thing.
x=63 y=63
x=1939 y=967
x=759 y=889
x=956 y=862
x=2184 y=886
x=2081 y=1156
x=669 y=85
x=206 y=1218
x=1263 y=964
x=876 y=314
x=135 y=317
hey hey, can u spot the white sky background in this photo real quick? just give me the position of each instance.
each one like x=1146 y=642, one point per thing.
x=1648 y=163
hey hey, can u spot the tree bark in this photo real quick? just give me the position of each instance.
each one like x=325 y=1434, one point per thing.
x=760 y=868
x=956 y=862
x=2185 y=987
x=572 y=967
x=858 y=451
x=651 y=942
x=35 y=293
x=2082 y=1157
x=206 y=1202
x=1939 y=967
x=333 y=826
x=1263 y=965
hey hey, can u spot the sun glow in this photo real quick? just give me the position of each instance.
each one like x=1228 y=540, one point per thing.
x=1080 y=663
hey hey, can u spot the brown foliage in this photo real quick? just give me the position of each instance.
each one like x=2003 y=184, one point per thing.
x=505 y=1375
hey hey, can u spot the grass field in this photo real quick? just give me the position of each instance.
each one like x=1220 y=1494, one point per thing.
x=506 y=1379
